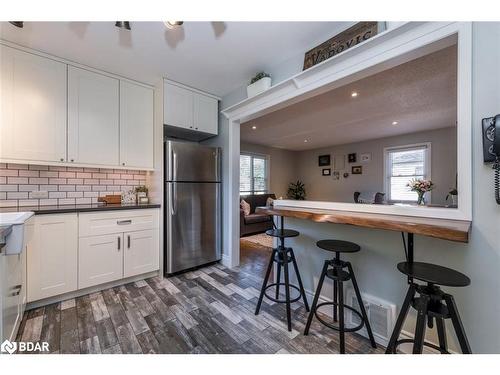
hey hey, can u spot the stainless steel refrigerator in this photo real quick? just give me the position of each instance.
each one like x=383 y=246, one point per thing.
x=192 y=205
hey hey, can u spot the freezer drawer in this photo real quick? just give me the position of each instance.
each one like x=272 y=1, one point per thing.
x=193 y=225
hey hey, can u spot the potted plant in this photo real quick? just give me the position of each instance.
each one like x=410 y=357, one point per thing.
x=296 y=191
x=260 y=83
x=453 y=193
x=420 y=186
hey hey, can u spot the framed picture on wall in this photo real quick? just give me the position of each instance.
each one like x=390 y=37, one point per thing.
x=357 y=169
x=336 y=175
x=339 y=162
x=351 y=157
x=323 y=160
x=365 y=158
x=326 y=171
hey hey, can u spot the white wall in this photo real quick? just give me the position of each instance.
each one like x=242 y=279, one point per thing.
x=480 y=259
x=325 y=188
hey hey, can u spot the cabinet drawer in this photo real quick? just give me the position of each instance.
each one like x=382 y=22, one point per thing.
x=95 y=224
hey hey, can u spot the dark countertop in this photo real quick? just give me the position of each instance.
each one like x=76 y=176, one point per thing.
x=67 y=208
x=4 y=232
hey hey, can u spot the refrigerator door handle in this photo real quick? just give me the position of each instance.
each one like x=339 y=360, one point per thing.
x=174 y=166
x=174 y=198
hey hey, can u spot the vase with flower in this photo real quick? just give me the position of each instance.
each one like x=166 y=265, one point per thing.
x=420 y=186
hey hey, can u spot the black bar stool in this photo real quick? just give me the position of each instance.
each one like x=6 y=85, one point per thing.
x=339 y=276
x=430 y=306
x=282 y=256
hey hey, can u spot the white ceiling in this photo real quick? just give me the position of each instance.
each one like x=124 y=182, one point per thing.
x=420 y=95
x=217 y=57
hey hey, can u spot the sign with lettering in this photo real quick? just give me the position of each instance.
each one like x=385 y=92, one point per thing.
x=341 y=42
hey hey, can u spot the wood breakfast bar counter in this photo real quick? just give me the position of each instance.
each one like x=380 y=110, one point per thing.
x=446 y=229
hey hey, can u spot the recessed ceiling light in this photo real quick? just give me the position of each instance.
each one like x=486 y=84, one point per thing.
x=305 y=141
x=354 y=94
x=394 y=123
x=254 y=127
x=173 y=24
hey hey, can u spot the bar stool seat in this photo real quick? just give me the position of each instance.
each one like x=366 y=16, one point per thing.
x=338 y=246
x=433 y=274
x=433 y=306
x=282 y=233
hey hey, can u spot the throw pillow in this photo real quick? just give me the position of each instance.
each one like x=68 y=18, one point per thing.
x=245 y=207
x=269 y=201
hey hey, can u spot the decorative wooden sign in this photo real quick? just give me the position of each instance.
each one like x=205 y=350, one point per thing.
x=341 y=42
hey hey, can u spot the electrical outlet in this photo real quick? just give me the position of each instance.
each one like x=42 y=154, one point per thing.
x=39 y=194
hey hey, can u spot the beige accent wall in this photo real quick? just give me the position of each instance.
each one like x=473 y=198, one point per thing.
x=325 y=188
x=282 y=166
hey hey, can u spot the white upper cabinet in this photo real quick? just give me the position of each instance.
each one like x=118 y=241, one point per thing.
x=136 y=125
x=178 y=106
x=189 y=109
x=33 y=101
x=93 y=118
x=205 y=113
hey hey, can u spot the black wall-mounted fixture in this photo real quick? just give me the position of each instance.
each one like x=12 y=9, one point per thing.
x=123 y=25
x=19 y=24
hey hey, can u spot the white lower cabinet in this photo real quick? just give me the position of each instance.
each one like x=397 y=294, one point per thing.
x=100 y=260
x=70 y=252
x=52 y=258
x=141 y=252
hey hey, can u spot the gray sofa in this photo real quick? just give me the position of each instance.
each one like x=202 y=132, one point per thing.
x=255 y=223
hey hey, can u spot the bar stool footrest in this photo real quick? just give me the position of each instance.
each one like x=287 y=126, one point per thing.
x=334 y=327
x=411 y=341
x=277 y=300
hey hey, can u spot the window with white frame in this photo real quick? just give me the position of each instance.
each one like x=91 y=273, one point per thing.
x=254 y=177
x=403 y=164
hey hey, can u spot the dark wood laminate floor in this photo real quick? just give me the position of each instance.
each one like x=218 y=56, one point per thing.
x=254 y=257
x=210 y=310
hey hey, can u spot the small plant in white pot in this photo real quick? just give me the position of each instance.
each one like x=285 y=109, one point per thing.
x=260 y=83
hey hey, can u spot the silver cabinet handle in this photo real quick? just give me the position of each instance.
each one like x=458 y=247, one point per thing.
x=124 y=222
x=128 y=241
x=119 y=243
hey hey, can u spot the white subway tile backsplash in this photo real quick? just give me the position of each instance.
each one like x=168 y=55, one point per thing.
x=75 y=181
x=9 y=172
x=29 y=188
x=17 y=180
x=49 y=174
x=17 y=166
x=48 y=202
x=47 y=187
x=57 y=181
x=17 y=195
x=57 y=194
x=67 y=175
x=39 y=180
x=74 y=194
x=27 y=173
x=5 y=187
x=62 y=185
x=28 y=202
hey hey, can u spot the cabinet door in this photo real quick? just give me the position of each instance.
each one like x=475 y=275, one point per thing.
x=100 y=259
x=12 y=287
x=93 y=118
x=205 y=113
x=141 y=253
x=136 y=125
x=52 y=258
x=33 y=101
x=178 y=106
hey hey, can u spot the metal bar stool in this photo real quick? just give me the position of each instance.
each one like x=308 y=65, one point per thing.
x=339 y=276
x=282 y=256
x=430 y=306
